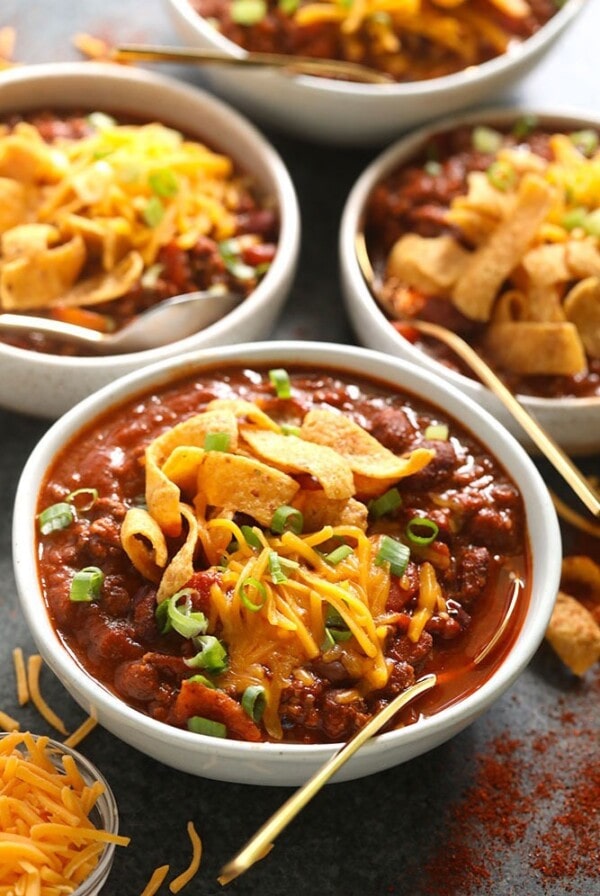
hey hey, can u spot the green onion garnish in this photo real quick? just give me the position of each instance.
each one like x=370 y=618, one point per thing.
x=288 y=7
x=287 y=518
x=288 y=430
x=251 y=537
x=421 y=530
x=586 y=141
x=277 y=573
x=91 y=494
x=200 y=725
x=524 y=126
x=502 y=176
x=393 y=552
x=211 y=656
x=183 y=619
x=574 y=218
x=437 y=432
x=153 y=212
x=338 y=554
x=386 y=503
x=163 y=182
x=254 y=701
x=591 y=223
x=248 y=585
x=86 y=584
x=202 y=679
x=57 y=516
x=230 y=253
x=486 y=139
x=328 y=641
x=280 y=380
x=433 y=168
x=100 y=121
x=216 y=441
x=248 y=12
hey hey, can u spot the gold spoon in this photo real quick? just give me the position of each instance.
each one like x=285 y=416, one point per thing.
x=262 y=842
x=292 y=65
x=546 y=444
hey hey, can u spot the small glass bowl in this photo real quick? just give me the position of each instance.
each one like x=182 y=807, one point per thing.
x=104 y=815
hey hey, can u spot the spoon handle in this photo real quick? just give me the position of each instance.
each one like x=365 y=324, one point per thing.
x=26 y=323
x=551 y=450
x=262 y=842
x=299 y=65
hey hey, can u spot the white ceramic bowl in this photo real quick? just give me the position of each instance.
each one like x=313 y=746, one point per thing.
x=574 y=423
x=354 y=114
x=47 y=385
x=269 y=763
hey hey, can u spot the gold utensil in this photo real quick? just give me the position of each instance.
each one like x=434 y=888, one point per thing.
x=291 y=65
x=262 y=842
x=546 y=444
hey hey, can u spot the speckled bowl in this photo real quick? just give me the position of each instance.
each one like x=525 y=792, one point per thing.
x=47 y=385
x=345 y=113
x=271 y=763
x=573 y=422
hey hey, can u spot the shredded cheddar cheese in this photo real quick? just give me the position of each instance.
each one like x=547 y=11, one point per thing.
x=185 y=877
x=80 y=733
x=156 y=881
x=34 y=667
x=7 y=723
x=48 y=844
x=21 y=676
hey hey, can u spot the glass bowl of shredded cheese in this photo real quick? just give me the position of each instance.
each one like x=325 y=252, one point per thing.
x=440 y=56
x=59 y=818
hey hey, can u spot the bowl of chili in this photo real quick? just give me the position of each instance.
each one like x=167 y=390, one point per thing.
x=440 y=58
x=233 y=560
x=122 y=188
x=455 y=235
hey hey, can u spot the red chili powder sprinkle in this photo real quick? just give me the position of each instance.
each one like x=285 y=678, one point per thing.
x=536 y=801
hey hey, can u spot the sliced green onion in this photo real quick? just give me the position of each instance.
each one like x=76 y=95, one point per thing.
x=524 y=126
x=163 y=182
x=202 y=679
x=328 y=641
x=100 y=121
x=288 y=430
x=86 y=584
x=277 y=574
x=340 y=634
x=502 y=175
x=288 y=7
x=433 y=168
x=200 y=725
x=586 y=141
x=287 y=518
x=252 y=584
x=421 y=530
x=280 y=380
x=336 y=629
x=217 y=441
x=486 y=139
x=151 y=275
x=338 y=554
x=211 y=656
x=184 y=620
x=153 y=212
x=393 y=552
x=251 y=537
x=75 y=498
x=386 y=503
x=574 y=218
x=57 y=516
x=437 y=432
x=254 y=701
x=248 y=12
x=230 y=253
x=591 y=223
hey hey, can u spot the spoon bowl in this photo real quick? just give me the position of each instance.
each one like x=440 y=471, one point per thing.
x=161 y=324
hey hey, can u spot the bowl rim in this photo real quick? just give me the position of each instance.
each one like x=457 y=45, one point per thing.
x=382 y=165
x=490 y=70
x=543 y=528
x=282 y=189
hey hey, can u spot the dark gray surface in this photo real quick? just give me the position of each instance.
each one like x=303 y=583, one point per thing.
x=374 y=836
